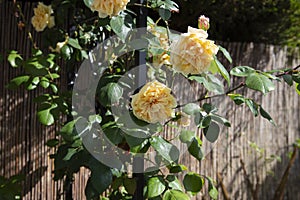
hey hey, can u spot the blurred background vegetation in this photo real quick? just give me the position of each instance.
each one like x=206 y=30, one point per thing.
x=260 y=21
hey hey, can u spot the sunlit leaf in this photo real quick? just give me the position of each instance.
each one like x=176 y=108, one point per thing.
x=167 y=150
x=212 y=191
x=174 y=183
x=226 y=54
x=242 y=71
x=222 y=71
x=195 y=150
x=155 y=186
x=14 y=59
x=16 y=82
x=260 y=83
x=266 y=115
x=175 y=195
x=74 y=43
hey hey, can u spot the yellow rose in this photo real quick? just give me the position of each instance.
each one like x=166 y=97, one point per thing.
x=108 y=7
x=42 y=17
x=154 y=103
x=192 y=53
x=162 y=36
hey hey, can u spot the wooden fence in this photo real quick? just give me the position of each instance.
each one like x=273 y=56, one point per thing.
x=22 y=138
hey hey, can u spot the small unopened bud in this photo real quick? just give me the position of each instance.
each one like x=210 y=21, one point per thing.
x=203 y=23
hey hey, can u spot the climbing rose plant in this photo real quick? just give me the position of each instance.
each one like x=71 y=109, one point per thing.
x=70 y=31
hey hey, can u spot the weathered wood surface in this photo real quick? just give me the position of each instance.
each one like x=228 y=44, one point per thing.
x=22 y=138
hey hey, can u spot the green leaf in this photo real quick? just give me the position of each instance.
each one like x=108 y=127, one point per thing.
x=237 y=98
x=296 y=78
x=177 y=168
x=165 y=14
x=90 y=191
x=44 y=114
x=66 y=52
x=175 y=195
x=118 y=25
x=260 y=83
x=113 y=133
x=155 y=186
x=114 y=92
x=16 y=82
x=220 y=119
x=212 y=191
x=266 y=115
x=174 y=183
x=222 y=71
x=130 y=185
x=71 y=152
x=253 y=106
x=95 y=118
x=213 y=68
x=88 y=3
x=205 y=122
x=297 y=88
x=74 y=43
x=54 y=88
x=52 y=142
x=167 y=150
x=193 y=182
x=242 y=71
x=191 y=108
x=212 y=132
x=101 y=176
x=14 y=59
x=110 y=94
x=226 y=54
x=67 y=131
x=187 y=136
x=44 y=82
x=288 y=79
x=212 y=84
x=195 y=149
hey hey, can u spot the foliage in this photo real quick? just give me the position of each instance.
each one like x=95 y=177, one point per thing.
x=11 y=188
x=273 y=22
x=76 y=32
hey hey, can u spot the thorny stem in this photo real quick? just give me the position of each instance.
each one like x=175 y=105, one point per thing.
x=19 y=9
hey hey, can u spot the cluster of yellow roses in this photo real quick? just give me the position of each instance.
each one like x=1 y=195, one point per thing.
x=192 y=53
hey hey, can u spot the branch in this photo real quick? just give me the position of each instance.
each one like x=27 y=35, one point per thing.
x=224 y=190
x=279 y=192
x=254 y=191
x=242 y=84
x=294 y=70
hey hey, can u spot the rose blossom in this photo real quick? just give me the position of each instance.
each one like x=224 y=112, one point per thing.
x=192 y=53
x=108 y=7
x=42 y=17
x=162 y=36
x=203 y=23
x=154 y=103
